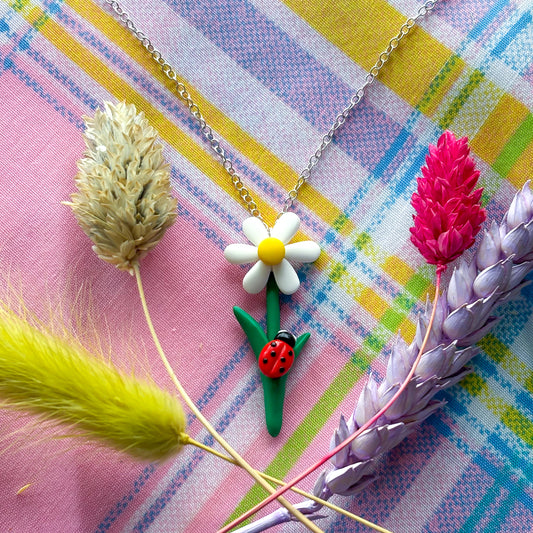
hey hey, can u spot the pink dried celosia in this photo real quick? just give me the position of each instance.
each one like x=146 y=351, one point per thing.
x=449 y=214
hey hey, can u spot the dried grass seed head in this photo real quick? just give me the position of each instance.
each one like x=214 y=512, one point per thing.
x=124 y=201
x=54 y=377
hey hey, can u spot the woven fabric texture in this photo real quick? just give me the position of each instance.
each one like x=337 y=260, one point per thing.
x=269 y=77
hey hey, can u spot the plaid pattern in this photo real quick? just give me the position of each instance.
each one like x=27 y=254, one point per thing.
x=270 y=78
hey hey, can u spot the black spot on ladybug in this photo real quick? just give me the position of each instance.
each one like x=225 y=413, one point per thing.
x=290 y=353
x=272 y=353
x=282 y=369
x=283 y=359
x=273 y=344
x=265 y=360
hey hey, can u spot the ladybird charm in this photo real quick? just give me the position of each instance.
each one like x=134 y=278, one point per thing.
x=277 y=357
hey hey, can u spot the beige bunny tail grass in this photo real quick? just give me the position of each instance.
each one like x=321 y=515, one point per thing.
x=123 y=201
x=55 y=378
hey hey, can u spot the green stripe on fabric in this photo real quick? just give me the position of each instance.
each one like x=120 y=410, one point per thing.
x=502 y=355
x=340 y=222
x=528 y=384
x=459 y=101
x=19 y=5
x=418 y=285
x=511 y=417
x=428 y=100
x=474 y=384
x=515 y=146
x=392 y=319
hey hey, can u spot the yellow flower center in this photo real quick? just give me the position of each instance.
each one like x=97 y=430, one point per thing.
x=271 y=251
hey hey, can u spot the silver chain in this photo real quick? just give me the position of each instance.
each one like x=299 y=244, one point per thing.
x=207 y=132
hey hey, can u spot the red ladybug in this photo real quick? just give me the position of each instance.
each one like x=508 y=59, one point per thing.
x=277 y=356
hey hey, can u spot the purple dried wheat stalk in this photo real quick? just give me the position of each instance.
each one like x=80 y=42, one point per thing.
x=464 y=315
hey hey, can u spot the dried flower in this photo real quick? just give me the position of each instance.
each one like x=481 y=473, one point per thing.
x=449 y=214
x=464 y=316
x=57 y=379
x=123 y=201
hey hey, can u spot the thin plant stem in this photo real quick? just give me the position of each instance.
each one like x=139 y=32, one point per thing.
x=186 y=439
x=240 y=461
x=363 y=428
x=273 y=312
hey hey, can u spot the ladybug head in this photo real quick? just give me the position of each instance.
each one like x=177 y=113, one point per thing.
x=287 y=337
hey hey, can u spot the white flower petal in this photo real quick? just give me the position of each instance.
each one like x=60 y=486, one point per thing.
x=254 y=230
x=286 y=227
x=303 y=252
x=257 y=278
x=286 y=277
x=239 y=254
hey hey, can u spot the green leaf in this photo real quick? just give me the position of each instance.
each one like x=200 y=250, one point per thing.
x=253 y=330
x=300 y=343
x=274 y=391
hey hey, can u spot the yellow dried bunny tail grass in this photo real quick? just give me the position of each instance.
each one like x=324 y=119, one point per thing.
x=56 y=378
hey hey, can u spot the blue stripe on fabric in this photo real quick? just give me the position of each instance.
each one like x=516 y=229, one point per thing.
x=409 y=176
x=64 y=79
x=289 y=72
x=9 y=64
x=390 y=155
x=123 y=503
x=483 y=24
x=507 y=39
x=492 y=469
x=510 y=454
x=514 y=494
x=406 y=179
x=184 y=472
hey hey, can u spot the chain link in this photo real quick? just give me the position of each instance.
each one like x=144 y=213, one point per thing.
x=209 y=135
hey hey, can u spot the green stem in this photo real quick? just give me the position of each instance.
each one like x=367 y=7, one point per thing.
x=273 y=312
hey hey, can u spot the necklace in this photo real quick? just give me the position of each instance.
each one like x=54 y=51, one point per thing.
x=276 y=349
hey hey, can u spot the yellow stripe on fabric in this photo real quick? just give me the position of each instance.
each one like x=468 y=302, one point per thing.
x=374 y=23
x=507 y=360
x=522 y=170
x=277 y=169
x=498 y=128
x=511 y=417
